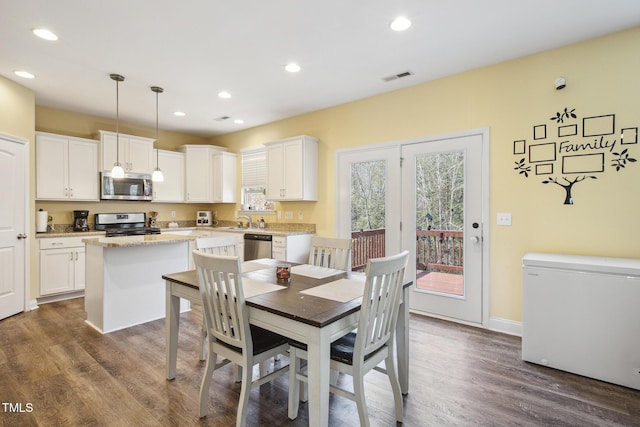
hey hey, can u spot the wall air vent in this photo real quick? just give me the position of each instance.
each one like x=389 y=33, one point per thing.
x=222 y=118
x=398 y=76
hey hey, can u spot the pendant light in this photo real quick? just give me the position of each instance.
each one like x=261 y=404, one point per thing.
x=157 y=173
x=117 y=171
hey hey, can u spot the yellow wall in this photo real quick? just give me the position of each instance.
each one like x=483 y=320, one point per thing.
x=509 y=98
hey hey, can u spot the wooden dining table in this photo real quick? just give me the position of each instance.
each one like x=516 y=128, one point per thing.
x=316 y=307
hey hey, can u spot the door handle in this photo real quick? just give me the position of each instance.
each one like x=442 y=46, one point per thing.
x=475 y=239
x=22 y=236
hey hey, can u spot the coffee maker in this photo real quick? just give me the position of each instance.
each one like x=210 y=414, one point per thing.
x=80 y=221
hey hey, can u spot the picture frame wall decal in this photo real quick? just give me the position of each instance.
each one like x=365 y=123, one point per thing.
x=577 y=155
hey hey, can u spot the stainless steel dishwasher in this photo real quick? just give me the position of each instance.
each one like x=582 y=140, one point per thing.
x=257 y=246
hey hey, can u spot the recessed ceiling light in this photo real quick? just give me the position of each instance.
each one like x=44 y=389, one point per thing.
x=43 y=33
x=24 y=74
x=400 y=24
x=224 y=94
x=238 y=121
x=179 y=113
x=292 y=68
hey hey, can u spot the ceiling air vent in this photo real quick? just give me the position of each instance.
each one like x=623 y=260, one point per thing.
x=398 y=76
x=222 y=118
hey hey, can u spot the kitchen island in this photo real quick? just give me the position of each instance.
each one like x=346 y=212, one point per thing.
x=124 y=285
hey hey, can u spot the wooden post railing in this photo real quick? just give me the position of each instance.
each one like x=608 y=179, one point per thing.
x=440 y=250
x=435 y=249
x=366 y=244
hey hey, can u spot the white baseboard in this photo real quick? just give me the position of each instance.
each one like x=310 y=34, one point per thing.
x=33 y=304
x=60 y=297
x=505 y=326
x=496 y=324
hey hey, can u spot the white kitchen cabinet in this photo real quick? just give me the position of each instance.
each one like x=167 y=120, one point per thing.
x=292 y=248
x=202 y=177
x=172 y=188
x=62 y=265
x=292 y=169
x=224 y=177
x=135 y=153
x=66 y=168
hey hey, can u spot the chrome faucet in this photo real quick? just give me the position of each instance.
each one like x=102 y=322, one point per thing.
x=248 y=218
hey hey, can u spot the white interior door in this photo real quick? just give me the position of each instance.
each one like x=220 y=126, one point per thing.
x=13 y=241
x=443 y=203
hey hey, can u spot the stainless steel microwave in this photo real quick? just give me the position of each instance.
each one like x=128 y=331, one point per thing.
x=134 y=186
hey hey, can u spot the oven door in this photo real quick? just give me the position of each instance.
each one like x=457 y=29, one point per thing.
x=133 y=186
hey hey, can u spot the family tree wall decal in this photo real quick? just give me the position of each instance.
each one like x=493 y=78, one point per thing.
x=579 y=154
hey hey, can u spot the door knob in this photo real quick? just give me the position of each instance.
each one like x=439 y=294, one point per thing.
x=22 y=236
x=475 y=239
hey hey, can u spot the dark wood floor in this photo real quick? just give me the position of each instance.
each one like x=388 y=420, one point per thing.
x=71 y=375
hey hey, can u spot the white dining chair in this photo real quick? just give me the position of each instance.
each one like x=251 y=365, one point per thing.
x=224 y=245
x=330 y=252
x=229 y=333
x=361 y=351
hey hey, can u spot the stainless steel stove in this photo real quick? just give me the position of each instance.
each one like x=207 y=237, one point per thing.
x=124 y=224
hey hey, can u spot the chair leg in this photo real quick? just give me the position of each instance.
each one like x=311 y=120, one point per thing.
x=205 y=383
x=390 y=367
x=358 y=390
x=203 y=338
x=294 y=384
x=245 y=391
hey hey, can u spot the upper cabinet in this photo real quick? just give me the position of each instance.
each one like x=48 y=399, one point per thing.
x=172 y=188
x=224 y=177
x=210 y=174
x=135 y=153
x=66 y=168
x=292 y=169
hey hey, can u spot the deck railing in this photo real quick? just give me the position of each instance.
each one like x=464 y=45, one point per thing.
x=366 y=244
x=440 y=250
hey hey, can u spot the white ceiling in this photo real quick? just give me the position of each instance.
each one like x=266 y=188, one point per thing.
x=197 y=48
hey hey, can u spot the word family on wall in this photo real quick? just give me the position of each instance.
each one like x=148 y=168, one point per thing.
x=570 y=150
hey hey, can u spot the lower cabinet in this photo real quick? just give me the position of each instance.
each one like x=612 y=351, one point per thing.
x=292 y=248
x=62 y=265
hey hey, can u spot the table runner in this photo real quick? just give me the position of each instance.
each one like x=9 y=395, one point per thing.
x=252 y=287
x=314 y=271
x=341 y=290
x=255 y=265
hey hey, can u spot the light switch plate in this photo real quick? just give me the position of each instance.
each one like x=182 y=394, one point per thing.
x=504 y=219
x=288 y=215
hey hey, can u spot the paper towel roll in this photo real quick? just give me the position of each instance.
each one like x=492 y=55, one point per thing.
x=42 y=219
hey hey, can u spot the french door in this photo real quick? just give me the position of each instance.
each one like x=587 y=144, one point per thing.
x=443 y=201
x=367 y=183
x=429 y=196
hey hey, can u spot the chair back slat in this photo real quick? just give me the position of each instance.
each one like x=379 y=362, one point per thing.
x=330 y=252
x=226 y=245
x=380 y=303
x=225 y=311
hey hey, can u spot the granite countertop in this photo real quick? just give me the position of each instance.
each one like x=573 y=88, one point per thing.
x=129 y=241
x=188 y=232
